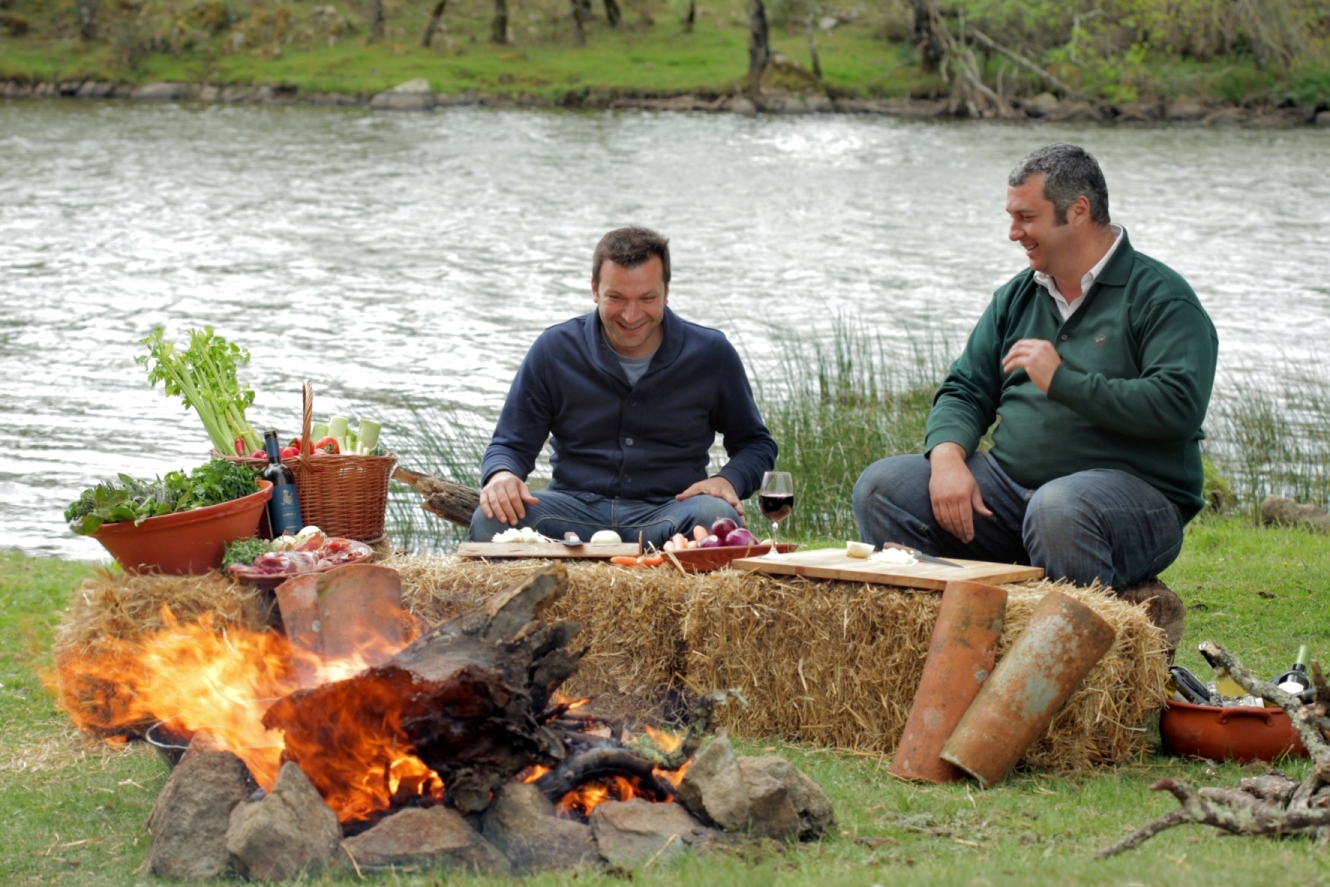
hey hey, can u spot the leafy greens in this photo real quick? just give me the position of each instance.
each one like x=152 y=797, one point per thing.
x=134 y=499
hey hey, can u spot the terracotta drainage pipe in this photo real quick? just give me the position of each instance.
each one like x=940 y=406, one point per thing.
x=960 y=658
x=1063 y=641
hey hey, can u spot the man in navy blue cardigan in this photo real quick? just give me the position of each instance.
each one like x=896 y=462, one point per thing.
x=631 y=397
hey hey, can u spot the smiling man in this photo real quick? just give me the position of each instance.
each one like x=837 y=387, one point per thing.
x=631 y=398
x=1099 y=362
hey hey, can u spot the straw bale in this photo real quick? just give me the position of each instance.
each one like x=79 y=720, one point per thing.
x=830 y=663
x=838 y=663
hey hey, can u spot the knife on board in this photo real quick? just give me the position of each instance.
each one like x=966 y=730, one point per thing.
x=920 y=556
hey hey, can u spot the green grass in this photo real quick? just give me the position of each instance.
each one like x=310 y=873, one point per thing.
x=869 y=53
x=75 y=809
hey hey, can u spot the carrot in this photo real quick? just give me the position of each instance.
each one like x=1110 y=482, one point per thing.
x=624 y=560
x=654 y=560
x=699 y=532
x=680 y=542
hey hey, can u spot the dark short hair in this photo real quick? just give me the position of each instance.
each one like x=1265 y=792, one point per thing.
x=1069 y=171
x=630 y=247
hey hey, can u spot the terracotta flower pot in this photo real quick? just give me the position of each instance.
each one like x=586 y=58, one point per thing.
x=187 y=542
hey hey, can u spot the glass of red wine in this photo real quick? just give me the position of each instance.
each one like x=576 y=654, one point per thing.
x=776 y=501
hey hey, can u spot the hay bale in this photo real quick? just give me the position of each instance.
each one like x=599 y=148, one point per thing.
x=838 y=663
x=830 y=663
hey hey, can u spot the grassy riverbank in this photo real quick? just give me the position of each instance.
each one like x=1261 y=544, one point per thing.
x=1132 y=51
x=75 y=809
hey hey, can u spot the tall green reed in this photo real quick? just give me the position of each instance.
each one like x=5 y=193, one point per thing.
x=839 y=398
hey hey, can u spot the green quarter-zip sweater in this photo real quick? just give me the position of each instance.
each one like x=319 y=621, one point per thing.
x=1138 y=363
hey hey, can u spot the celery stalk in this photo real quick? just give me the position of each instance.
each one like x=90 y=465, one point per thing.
x=369 y=433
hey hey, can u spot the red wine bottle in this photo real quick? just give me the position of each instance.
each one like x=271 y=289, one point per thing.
x=284 y=506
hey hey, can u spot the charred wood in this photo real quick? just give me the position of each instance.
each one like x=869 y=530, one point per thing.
x=453 y=502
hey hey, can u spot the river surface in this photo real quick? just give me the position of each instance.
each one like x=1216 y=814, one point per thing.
x=403 y=258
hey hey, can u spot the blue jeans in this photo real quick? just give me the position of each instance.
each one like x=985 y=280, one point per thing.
x=1100 y=524
x=584 y=513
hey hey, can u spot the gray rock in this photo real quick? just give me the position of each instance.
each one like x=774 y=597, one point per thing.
x=771 y=812
x=162 y=92
x=743 y=107
x=811 y=805
x=1075 y=110
x=1144 y=112
x=1323 y=118
x=522 y=824
x=1283 y=512
x=428 y=836
x=190 y=818
x=413 y=95
x=209 y=94
x=1184 y=110
x=95 y=89
x=631 y=833
x=713 y=789
x=288 y=833
x=1041 y=105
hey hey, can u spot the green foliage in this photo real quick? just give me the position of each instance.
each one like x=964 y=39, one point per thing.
x=136 y=500
x=244 y=551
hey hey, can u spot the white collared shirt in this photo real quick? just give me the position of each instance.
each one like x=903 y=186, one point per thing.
x=1066 y=308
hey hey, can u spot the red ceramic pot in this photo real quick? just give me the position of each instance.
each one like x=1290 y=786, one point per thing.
x=187 y=542
x=1243 y=733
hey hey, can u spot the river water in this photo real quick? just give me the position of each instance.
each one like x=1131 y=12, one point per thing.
x=410 y=258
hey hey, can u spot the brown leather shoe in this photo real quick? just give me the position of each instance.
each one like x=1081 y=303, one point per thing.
x=1163 y=608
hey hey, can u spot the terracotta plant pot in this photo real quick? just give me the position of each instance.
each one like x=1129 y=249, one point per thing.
x=1243 y=733
x=188 y=542
x=960 y=658
x=1058 y=647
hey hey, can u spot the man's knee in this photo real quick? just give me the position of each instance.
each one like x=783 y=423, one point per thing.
x=483 y=528
x=878 y=480
x=704 y=511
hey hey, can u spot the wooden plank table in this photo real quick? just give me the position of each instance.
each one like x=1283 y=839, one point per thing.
x=834 y=563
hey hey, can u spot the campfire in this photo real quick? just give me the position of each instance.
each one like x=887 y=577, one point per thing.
x=361 y=723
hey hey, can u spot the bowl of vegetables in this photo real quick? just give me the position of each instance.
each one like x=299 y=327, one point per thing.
x=179 y=525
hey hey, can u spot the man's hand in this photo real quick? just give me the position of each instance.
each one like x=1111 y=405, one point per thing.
x=714 y=486
x=503 y=496
x=1037 y=357
x=953 y=491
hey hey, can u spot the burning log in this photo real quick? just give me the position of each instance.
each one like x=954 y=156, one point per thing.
x=466 y=697
x=1271 y=804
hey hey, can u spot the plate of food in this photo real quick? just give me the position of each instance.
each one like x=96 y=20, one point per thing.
x=307 y=552
x=711 y=549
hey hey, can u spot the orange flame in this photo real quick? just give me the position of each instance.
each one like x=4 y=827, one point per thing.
x=209 y=677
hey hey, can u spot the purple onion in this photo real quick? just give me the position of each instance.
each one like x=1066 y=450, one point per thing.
x=722 y=529
x=741 y=536
x=711 y=541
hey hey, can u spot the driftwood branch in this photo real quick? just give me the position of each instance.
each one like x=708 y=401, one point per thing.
x=1272 y=804
x=1056 y=82
x=448 y=499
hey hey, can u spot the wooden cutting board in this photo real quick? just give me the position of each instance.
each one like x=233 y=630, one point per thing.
x=834 y=563
x=545 y=550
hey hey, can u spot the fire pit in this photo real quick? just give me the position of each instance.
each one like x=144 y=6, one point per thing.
x=455 y=748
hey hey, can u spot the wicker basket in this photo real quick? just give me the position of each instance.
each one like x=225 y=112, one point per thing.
x=342 y=495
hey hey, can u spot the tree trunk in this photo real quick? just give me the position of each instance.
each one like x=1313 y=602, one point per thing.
x=612 y=13
x=453 y=502
x=759 y=45
x=812 y=46
x=499 y=24
x=691 y=17
x=433 y=26
x=928 y=34
x=376 y=20
x=579 y=34
x=87 y=19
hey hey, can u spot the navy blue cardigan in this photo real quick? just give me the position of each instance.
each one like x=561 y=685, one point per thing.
x=648 y=441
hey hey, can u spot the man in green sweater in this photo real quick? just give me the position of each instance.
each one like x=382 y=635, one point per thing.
x=1098 y=361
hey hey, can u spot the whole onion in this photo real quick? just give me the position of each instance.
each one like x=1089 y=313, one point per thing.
x=709 y=541
x=741 y=536
x=722 y=529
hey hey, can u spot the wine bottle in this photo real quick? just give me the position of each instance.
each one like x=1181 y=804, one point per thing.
x=1295 y=680
x=284 y=506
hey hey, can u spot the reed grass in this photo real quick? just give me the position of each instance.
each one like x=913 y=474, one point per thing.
x=840 y=397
